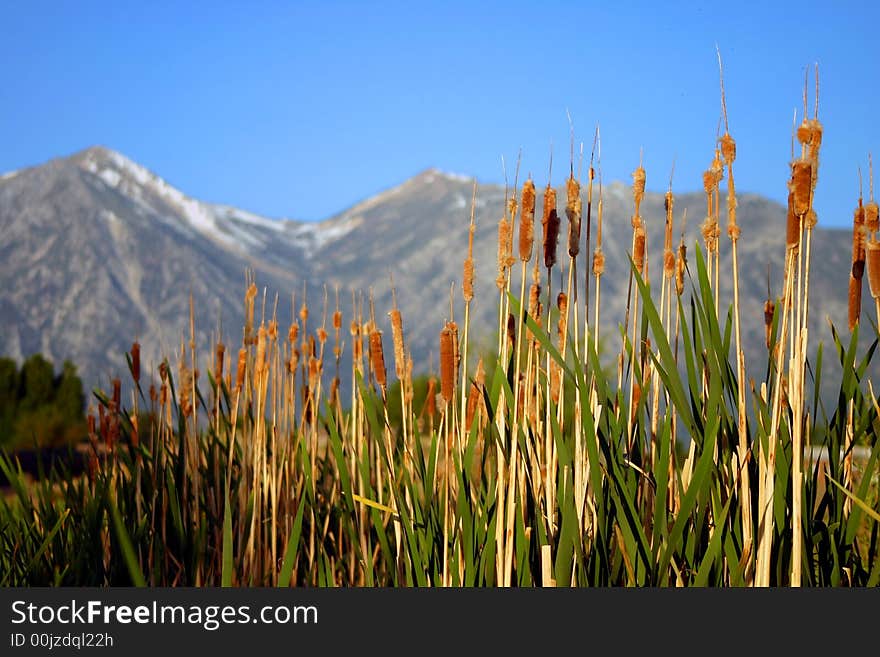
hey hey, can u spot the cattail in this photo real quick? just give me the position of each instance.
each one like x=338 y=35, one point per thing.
x=337 y=321
x=185 y=400
x=858 y=266
x=639 y=252
x=397 y=337
x=430 y=406
x=527 y=221
x=550 y=221
x=219 y=353
x=858 y=242
x=508 y=245
x=504 y=238
x=855 y=301
x=598 y=261
x=475 y=404
x=562 y=305
x=272 y=330
x=154 y=396
x=769 y=309
x=315 y=369
x=680 y=266
x=802 y=185
x=136 y=362
x=260 y=360
x=304 y=313
x=293 y=332
x=293 y=361
x=408 y=382
x=453 y=327
x=793 y=225
x=872 y=217
x=534 y=299
x=447 y=365
x=728 y=149
x=240 y=369
x=467 y=281
x=639 y=179
x=511 y=330
x=334 y=391
x=377 y=358
x=117 y=394
x=249 y=298
x=573 y=212
x=322 y=335
x=873 y=261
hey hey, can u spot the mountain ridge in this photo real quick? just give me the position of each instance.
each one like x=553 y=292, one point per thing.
x=99 y=250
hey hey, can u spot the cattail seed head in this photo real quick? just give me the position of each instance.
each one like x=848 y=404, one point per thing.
x=802 y=185
x=680 y=267
x=639 y=178
x=397 y=337
x=511 y=330
x=467 y=281
x=854 y=299
x=447 y=365
x=550 y=221
x=304 y=313
x=769 y=309
x=873 y=262
x=527 y=221
x=293 y=332
x=117 y=394
x=337 y=321
x=562 y=306
x=728 y=149
x=240 y=368
x=377 y=358
x=668 y=264
x=315 y=369
x=334 y=391
x=322 y=335
x=792 y=225
x=272 y=331
x=573 y=212
x=598 y=262
x=858 y=243
x=431 y=397
x=639 y=252
x=260 y=361
x=219 y=354
x=136 y=362
x=872 y=217
x=504 y=238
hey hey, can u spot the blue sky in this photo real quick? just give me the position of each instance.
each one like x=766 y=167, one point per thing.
x=300 y=109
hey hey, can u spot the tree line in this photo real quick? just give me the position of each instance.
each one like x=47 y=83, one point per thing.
x=39 y=407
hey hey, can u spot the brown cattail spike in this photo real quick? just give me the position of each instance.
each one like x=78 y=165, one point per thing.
x=527 y=221
x=136 y=362
x=504 y=237
x=873 y=262
x=240 y=369
x=769 y=309
x=219 y=354
x=573 y=212
x=639 y=252
x=550 y=221
x=872 y=217
x=397 y=336
x=598 y=261
x=793 y=225
x=447 y=365
x=854 y=301
x=377 y=358
x=802 y=185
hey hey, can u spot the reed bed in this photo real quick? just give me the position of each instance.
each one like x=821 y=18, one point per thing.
x=540 y=467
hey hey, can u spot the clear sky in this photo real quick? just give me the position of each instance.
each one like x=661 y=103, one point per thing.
x=300 y=109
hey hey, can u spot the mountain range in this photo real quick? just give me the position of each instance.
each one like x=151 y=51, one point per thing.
x=97 y=251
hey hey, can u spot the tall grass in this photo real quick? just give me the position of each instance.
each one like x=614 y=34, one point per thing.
x=539 y=467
